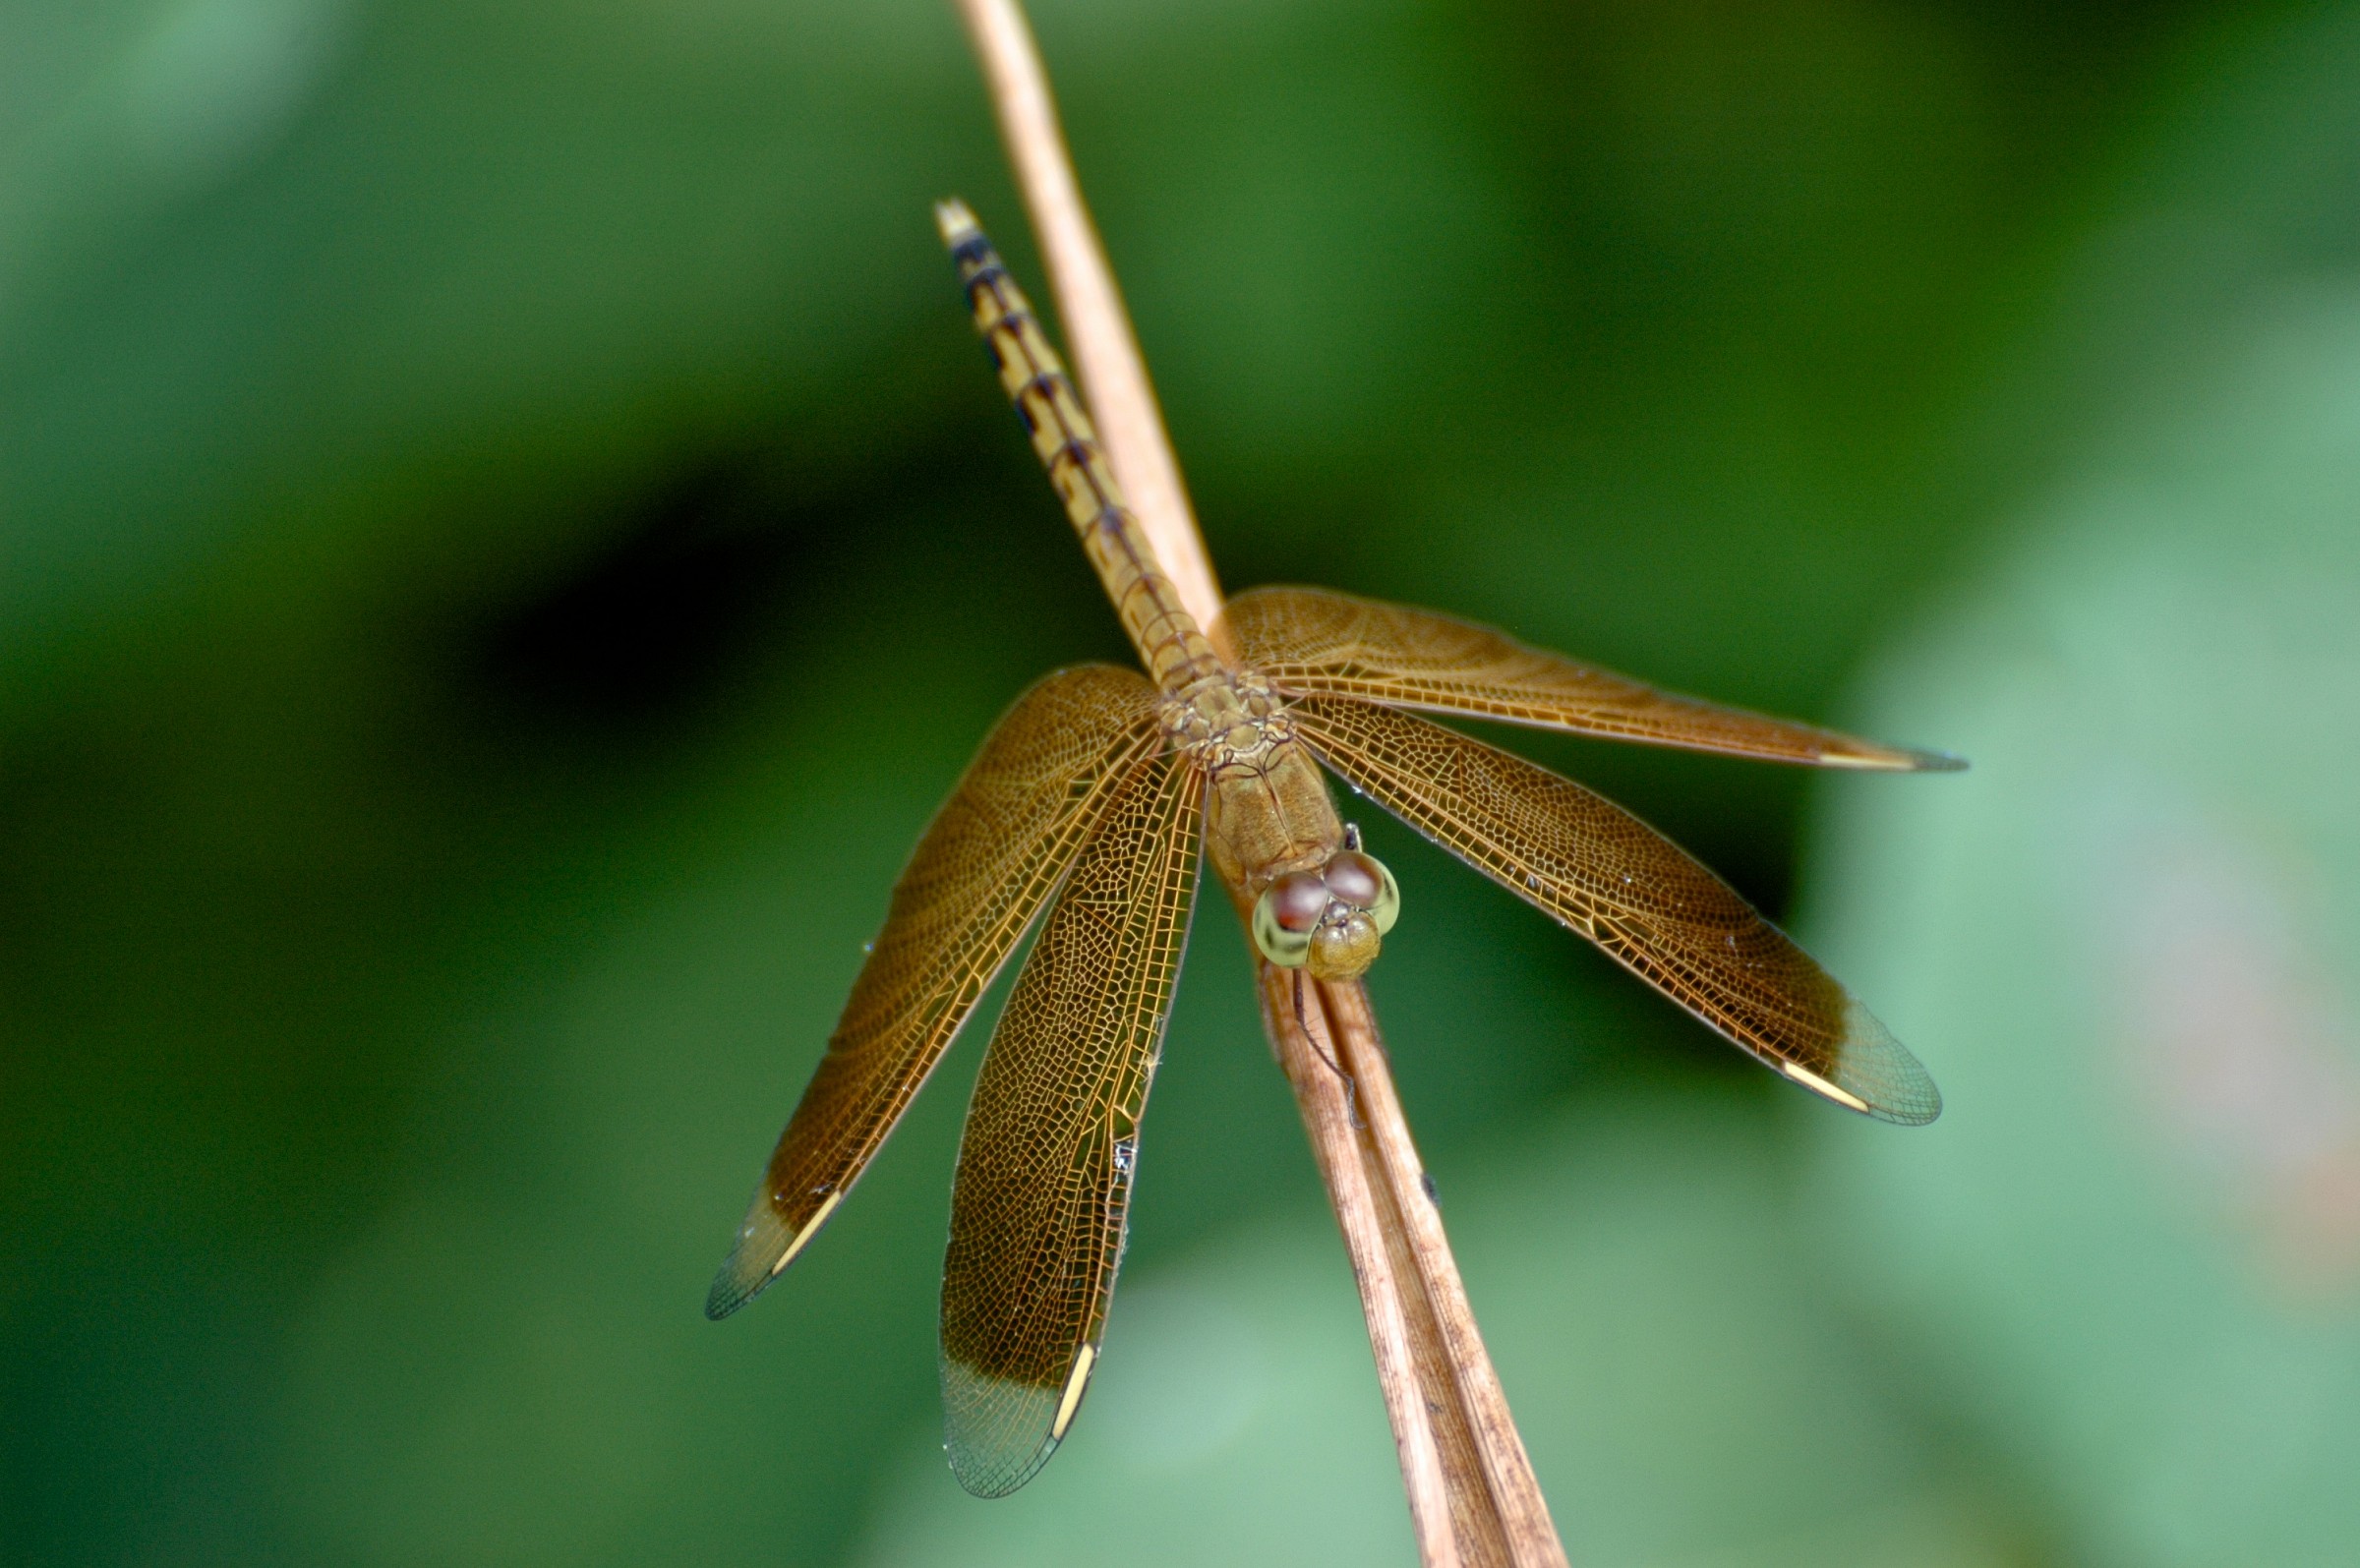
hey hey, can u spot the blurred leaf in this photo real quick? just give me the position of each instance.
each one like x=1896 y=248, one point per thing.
x=2128 y=942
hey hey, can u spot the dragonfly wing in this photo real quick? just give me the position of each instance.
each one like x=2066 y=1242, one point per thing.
x=1656 y=911
x=1045 y=780
x=1310 y=641
x=1044 y=1167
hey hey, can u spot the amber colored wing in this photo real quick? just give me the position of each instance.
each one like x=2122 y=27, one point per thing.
x=1045 y=780
x=1310 y=641
x=1044 y=1168
x=1600 y=870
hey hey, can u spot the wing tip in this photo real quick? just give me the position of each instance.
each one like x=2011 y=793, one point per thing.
x=1924 y=1116
x=1894 y=759
x=730 y=1290
x=994 y=1484
x=1914 y=1102
x=987 y=1416
x=747 y=1268
x=765 y=1247
x=1921 y=1106
x=1883 y=1071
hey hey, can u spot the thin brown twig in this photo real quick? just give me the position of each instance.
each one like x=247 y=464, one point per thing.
x=1321 y=1095
x=1451 y=1420
x=1458 y=1367
x=1473 y=1499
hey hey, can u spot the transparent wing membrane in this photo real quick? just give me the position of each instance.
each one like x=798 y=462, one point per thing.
x=1617 y=881
x=1043 y=781
x=1038 y=1208
x=1311 y=642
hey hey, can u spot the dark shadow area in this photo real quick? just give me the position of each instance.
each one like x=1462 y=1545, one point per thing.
x=648 y=630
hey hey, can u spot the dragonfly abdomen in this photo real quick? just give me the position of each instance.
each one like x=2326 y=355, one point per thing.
x=1170 y=643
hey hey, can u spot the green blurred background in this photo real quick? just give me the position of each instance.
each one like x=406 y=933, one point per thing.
x=506 y=536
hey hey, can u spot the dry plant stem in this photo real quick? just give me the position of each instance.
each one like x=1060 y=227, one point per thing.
x=1106 y=359
x=1472 y=1497
x=1329 y=1116
x=1457 y=1361
x=1449 y=1411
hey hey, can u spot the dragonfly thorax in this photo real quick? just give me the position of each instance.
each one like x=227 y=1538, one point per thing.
x=1272 y=831
x=1232 y=716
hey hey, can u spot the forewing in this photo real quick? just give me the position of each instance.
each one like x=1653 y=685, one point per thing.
x=1042 y=784
x=1046 y=1164
x=1310 y=641
x=1617 y=881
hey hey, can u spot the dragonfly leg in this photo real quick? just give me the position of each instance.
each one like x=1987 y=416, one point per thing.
x=1351 y=1090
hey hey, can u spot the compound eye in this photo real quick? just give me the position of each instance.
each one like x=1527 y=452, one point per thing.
x=1284 y=915
x=1363 y=881
x=1355 y=878
x=1297 y=901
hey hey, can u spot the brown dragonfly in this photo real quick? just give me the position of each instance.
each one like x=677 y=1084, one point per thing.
x=1090 y=798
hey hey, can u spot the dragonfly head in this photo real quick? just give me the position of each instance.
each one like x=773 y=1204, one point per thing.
x=1330 y=921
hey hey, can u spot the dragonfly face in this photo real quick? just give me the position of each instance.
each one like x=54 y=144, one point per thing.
x=1330 y=921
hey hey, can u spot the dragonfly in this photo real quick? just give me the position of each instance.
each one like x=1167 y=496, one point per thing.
x=1095 y=797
